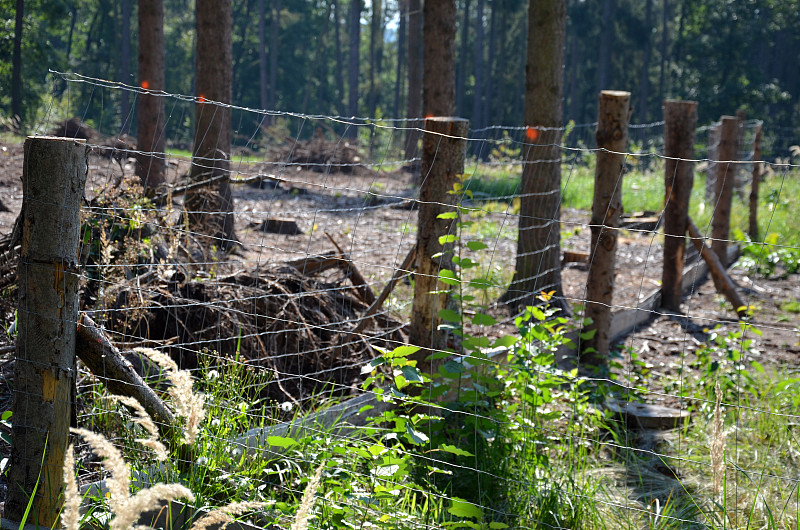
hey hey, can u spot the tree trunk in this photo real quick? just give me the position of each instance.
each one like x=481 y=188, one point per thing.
x=753 y=225
x=375 y=45
x=401 y=55
x=16 y=66
x=662 y=88
x=477 y=93
x=274 y=43
x=461 y=74
x=354 y=30
x=439 y=41
x=317 y=60
x=415 y=60
x=151 y=121
x=210 y=210
x=538 y=265
x=125 y=62
x=444 y=147
x=339 y=59
x=644 y=74
x=612 y=140
x=262 y=53
x=680 y=122
x=53 y=182
x=489 y=84
x=724 y=173
x=606 y=45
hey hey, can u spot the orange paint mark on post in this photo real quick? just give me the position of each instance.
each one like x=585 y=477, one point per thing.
x=201 y=98
x=532 y=134
x=146 y=84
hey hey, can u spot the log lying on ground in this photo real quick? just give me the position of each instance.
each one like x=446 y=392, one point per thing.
x=107 y=364
x=722 y=281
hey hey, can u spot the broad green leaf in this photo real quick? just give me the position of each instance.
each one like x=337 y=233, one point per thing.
x=280 y=441
x=506 y=341
x=481 y=319
x=494 y=525
x=462 y=508
x=448 y=277
x=404 y=351
x=480 y=283
x=411 y=374
x=476 y=245
x=416 y=436
x=449 y=315
x=455 y=450
x=449 y=238
x=589 y=335
x=7 y=414
x=447 y=215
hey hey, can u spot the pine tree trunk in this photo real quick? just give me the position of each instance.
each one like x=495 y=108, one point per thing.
x=439 y=41
x=54 y=175
x=401 y=57
x=262 y=53
x=354 y=32
x=662 y=86
x=210 y=210
x=477 y=93
x=340 y=103
x=415 y=60
x=644 y=74
x=606 y=45
x=375 y=44
x=125 y=62
x=538 y=266
x=151 y=119
x=488 y=85
x=274 y=44
x=16 y=66
x=461 y=66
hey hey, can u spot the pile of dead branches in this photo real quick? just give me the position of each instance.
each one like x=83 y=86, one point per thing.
x=295 y=324
x=319 y=154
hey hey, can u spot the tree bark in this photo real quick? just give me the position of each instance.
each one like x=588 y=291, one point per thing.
x=612 y=140
x=644 y=74
x=339 y=58
x=375 y=44
x=538 y=264
x=354 y=31
x=606 y=45
x=493 y=75
x=415 y=60
x=53 y=182
x=401 y=57
x=753 y=228
x=125 y=61
x=439 y=41
x=274 y=44
x=16 y=65
x=662 y=87
x=477 y=92
x=724 y=173
x=461 y=74
x=444 y=147
x=262 y=53
x=150 y=162
x=210 y=210
x=680 y=122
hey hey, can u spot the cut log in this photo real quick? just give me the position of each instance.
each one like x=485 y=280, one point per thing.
x=277 y=225
x=107 y=363
x=647 y=416
x=722 y=281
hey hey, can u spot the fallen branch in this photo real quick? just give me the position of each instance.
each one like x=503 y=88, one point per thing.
x=107 y=364
x=404 y=268
x=362 y=287
x=722 y=281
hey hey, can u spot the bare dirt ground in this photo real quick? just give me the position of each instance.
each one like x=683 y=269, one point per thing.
x=367 y=213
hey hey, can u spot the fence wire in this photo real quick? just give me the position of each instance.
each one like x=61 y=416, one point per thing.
x=514 y=431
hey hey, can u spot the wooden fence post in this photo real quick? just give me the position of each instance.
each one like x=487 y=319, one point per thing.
x=711 y=154
x=680 y=121
x=444 y=147
x=612 y=140
x=724 y=173
x=53 y=182
x=757 y=165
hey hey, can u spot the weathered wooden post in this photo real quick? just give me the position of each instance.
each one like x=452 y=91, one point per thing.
x=53 y=182
x=612 y=142
x=444 y=146
x=711 y=154
x=757 y=165
x=680 y=121
x=724 y=173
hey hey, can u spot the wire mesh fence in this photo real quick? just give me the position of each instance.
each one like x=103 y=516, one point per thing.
x=296 y=330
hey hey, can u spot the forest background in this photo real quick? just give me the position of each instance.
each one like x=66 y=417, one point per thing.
x=356 y=58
